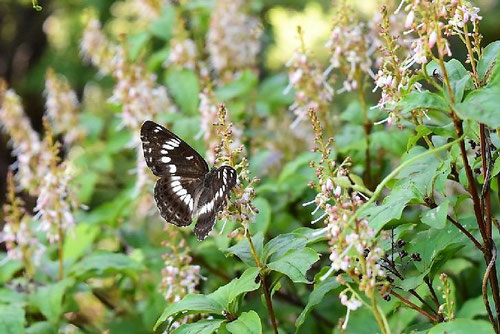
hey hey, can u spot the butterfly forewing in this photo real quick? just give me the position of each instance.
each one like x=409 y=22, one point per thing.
x=186 y=188
x=220 y=181
x=167 y=154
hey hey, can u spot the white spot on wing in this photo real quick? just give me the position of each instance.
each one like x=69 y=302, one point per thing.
x=173 y=169
x=165 y=159
x=168 y=147
x=190 y=157
x=175 y=184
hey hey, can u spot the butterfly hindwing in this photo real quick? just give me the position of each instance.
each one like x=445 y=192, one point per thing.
x=167 y=154
x=220 y=181
x=176 y=198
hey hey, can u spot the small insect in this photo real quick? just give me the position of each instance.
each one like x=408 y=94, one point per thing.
x=187 y=188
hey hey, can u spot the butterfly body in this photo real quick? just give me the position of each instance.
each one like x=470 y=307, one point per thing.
x=187 y=188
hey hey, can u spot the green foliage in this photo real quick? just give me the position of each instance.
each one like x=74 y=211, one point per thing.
x=408 y=178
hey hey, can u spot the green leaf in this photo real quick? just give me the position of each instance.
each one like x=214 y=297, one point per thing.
x=11 y=319
x=239 y=87
x=263 y=218
x=295 y=263
x=104 y=264
x=482 y=106
x=188 y=305
x=8 y=268
x=42 y=327
x=496 y=167
x=458 y=77
x=391 y=208
x=489 y=65
x=226 y=294
x=435 y=246
x=422 y=100
x=76 y=243
x=247 y=323
x=242 y=249
x=184 y=86
x=422 y=130
x=281 y=244
x=199 y=327
x=436 y=217
x=463 y=326
x=162 y=27
x=136 y=43
x=49 y=299
x=472 y=308
x=8 y=296
x=316 y=296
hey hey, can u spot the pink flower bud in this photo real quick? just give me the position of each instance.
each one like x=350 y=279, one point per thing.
x=432 y=39
x=409 y=19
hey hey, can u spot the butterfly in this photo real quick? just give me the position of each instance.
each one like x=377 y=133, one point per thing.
x=187 y=188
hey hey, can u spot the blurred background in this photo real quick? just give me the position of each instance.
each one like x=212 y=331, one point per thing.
x=32 y=41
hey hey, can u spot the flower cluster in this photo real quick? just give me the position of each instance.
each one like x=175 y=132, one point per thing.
x=135 y=90
x=446 y=309
x=56 y=203
x=308 y=81
x=62 y=107
x=352 y=243
x=179 y=276
x=351 y=45
x=234 y=49
x=25 y=141
x=242 y=209
x=17 y=234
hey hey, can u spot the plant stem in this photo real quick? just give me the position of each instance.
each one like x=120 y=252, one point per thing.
x=378 y=315
x=432 y=291
x=484 y=290
x=432 y=317
x=60 y=251
x=263 y=283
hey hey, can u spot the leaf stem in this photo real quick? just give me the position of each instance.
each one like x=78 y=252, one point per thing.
x=432 y=317
x=263 y=283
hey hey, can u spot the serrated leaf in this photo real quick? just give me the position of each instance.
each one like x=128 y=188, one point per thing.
x=247 y=323
x=422 y=100
x=488 y=67
x=11 y=319
x=295 y=263
x=436 y=217
x=49 y=299
x=242 y=249
x=482 y=106
x=199 y=327
x=188 y=305
x=184 y=86
x=391 y=208
x=463 y=326
x=279 y=245
x=226 y=294
x=316 y=296
x=104 y=264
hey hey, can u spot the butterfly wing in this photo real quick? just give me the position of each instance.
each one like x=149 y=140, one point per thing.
x=182 y=171
x=176 y=197
x=167 y=154
x=212 y=199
